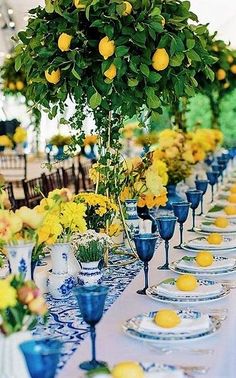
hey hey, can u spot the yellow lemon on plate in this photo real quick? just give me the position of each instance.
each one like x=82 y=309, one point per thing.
x=221 y=74
x=221 y=222
x=215 y=238
x=54 y=77
x=127 y=369
x=167 y=318
x=64 y=42
x=233 y=189
x=232 y=198
x=106 y=47
x=110 y=73
x=160 y=60
x=230 y=210
x=186 y=282
x=204 y=258
x=128 y=8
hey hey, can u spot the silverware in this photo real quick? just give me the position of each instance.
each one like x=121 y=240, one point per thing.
x=170 y=350
x=229 y=284
x=192 y=370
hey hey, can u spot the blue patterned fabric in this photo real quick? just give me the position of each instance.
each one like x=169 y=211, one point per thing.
x=65 y=321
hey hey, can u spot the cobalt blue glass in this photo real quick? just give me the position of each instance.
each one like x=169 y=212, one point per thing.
x=42 y=357
x=91 y=301
x=202 y=185
x=166 y=228
x=213 y=179
x=194 y=197
x=145 y=245
x=181 y=210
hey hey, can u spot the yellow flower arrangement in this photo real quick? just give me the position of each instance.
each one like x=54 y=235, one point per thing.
x=145 y=180
x=5 y=141
x=20 y=135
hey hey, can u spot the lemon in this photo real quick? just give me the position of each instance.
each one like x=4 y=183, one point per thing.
x=233 y=189
x=12 y=86
x=226 y=85
x=221 y=222
x=64 y=42
x=186 y=282
x=128 y=8
x=230 y=210
x=232 y=198
x=160 y=60
x=78 y=5
x=167 y=319
x=19 y=85
x=233 y=68
x=221 y=74
x=127 y=369
x=106 y=47
x=53 y=77
x=214 y=238
x=230 y=59
x=111 y=72
x=204 y=258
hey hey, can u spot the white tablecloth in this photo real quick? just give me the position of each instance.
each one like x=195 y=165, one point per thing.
x=114 y=346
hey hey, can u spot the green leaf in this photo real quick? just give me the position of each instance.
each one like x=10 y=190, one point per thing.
x=176 y=60
x=190 y=43
x=153 y=101
x=132 y=82
x=122 y=51
x=75 y=73
x=188 y=258
x=176 y=46
x=95 y=100
x=168 y=281
x=154 y=77
x=210 y=74
x=193 y=56
x=144 y=69
x=49 y=7
x=215 y=209
x=189 y=90
x=18 y=63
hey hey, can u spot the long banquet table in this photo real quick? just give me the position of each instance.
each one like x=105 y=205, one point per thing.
x=114 y=346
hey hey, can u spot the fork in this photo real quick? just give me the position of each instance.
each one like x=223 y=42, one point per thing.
x=169 y=350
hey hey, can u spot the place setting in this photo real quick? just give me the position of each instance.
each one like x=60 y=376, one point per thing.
x=214 y=241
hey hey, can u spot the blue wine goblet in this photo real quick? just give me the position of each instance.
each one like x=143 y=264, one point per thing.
x=194 y=197
x=166 y=227
x=42 y=357
x=202 y=185
x=145 y=245
x=181 y=210
x=213 y=179
x=91 y=301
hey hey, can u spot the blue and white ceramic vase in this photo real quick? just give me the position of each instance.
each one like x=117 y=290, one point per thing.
x=90 y=273
x=172 y=196
x=60 y=285
x=132 y=218
x=19 y=257
x=60 y=256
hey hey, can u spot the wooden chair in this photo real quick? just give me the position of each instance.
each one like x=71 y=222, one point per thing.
x=69 y=178
x=10 y=193
x=13 y=167
x=32 y=195
x=83 y=182
x=52 y=181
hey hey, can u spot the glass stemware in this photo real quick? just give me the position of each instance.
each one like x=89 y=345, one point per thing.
x=91 y=301
x=166 y=228
x=202 y=185
x=42 y=357
x=213 y=179
x=181 y=210
x=145 y=246
x=194 y=197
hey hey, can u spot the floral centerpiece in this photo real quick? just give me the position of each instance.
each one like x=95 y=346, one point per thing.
x=21 y=304
x=90 y=140
x=60 y=140
x=12 y=141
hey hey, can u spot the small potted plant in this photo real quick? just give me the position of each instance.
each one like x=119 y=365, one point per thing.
x=89 y=250
x=20 y=306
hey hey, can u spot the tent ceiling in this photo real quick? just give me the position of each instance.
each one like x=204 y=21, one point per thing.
x=220 y=14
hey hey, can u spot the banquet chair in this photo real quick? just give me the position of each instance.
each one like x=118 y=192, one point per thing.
x=52 y=181
x=33 y=190
x=69 y=178
x=83 y=182
x=9 y=190
x=13 y=167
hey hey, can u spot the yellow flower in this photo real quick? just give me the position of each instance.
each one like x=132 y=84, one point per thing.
x=72 y=216
x=61 y=195
x=5 y=226
x=30 y=217
x=50 y=230
x=20 y=135
x=5 y=141
x=114 y=229
x=132 y=163
x=161 y=169
x=8 y=295
x=125 y=194
x=16 y=223
x=171 y=152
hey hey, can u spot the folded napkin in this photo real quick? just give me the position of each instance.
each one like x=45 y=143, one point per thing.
x=202 y=243
x=218 y=264
x=202 y=290
x=186 y=325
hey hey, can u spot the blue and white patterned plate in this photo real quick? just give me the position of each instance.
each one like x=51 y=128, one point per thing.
x=203 y=272
x=131 y=328
x=216 y=251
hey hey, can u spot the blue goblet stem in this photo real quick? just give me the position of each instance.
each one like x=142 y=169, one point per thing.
x=181 y=228
x=212 y=193
x=201 y=206
x=193 y=217
x=146 y=269
x=93 y=339
x=166 y=265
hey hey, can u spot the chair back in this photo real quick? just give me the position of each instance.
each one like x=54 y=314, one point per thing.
x=32 y=195
x=83 y=182
x=13 y=167
x=10 y=193
x=52 y=181
x=69 y=178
